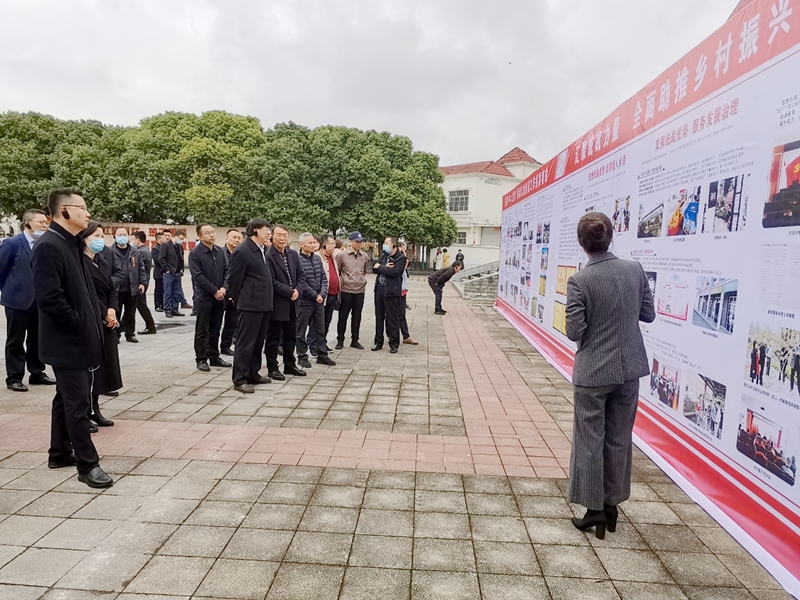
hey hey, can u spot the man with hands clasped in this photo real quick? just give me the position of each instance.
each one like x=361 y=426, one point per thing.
x=388 y=294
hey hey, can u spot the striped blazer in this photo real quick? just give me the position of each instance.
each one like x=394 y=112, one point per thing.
x=605 y=302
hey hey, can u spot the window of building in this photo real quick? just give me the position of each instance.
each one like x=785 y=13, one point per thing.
x=461 y=240
x=459 y=200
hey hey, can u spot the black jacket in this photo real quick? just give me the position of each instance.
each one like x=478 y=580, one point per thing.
x=249 y=278
x=282 y=306
x=16 y=282
x=441 y=276
x=209 y=270
x=133 y=268
x=392 y=277
x=147 y=260
x=170 y=258
x=156 y=265
x=70 y=324
x=315 y=280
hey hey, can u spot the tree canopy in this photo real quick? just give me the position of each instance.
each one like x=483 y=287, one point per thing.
x=225 y=169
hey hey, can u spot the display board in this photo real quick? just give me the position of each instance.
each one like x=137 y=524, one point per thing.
x=700 y=176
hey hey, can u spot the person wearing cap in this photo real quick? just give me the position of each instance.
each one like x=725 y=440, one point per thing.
x=352 y=264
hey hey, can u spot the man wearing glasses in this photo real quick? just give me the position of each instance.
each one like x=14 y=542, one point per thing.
x=71 y=327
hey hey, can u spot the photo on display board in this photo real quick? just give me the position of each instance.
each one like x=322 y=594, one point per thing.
x=665 y=383
x=652 y=280
x=782 y=208
x=540 y=312
x=773 y=359
x=539 y=234
x=715 y=303
x=765 y=438
x=546 y=233
x=534 y=305
x=682 y=209
x=704 y=403
x=726 y=207
x=621 y=217
x=543 y=260
x=530 y=253
x=673 y=298
x=542 y=284
x=562 y=277
x=525 y=232
x=528 y=278
x=651 y=217
x=560 y=317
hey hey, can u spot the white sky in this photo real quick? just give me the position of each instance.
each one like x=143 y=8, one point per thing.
x=465 y=79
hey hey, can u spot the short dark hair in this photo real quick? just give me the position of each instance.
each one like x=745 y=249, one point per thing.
x=140 y=235
x=200 y=227
x=445 y=250
x=323 y=239
x=160 y=232
x=29 y=214
x=595 y=232
x=90 y=229
x=339 y=243
x=256 y=224
x=232 y=229
x=180 y=232
x=279 y=226
x=457 y=263
x=57 y=197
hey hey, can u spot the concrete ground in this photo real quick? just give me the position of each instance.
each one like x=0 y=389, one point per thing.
x=439 y=472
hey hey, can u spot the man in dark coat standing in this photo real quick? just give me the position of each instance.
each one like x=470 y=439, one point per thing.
x=133 y=283
x=287 y=281
x=70 y=333
x=232 y=240
x=209 y=270
x=170 y=261
x=250 y=289
x=313 y=294
x=158 y=278
x=389 y=294
x=22 y=314
x=140 y=242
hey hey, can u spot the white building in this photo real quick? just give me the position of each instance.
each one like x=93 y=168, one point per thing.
x=475 y=200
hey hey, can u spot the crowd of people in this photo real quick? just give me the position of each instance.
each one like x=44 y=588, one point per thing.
x=763 y=359
x=69 y=298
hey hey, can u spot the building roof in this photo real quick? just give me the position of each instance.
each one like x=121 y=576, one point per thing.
x=490 y=167
x=517 y=155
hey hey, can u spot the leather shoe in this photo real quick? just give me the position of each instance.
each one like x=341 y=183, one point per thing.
x=411 y=341
x=93 y=428
x=276 y=375
x=168 y=314
x=339 y=346
x=293 y=371
x=377 y=347
x=113 y=394
x=70 y=461
x=356 y=345
x=226 y=351
x=176 y=313
x=132 y=339
x=324 y=360
x=186 y=305
x=261 y=379
x=148 y=332
x=41 y=379
x=218 y=362
x=303 y=362
x=96 y=478
x=202 y=365
x=393 y=350
x=159 y=309
x=17 y=386
x=245 y=388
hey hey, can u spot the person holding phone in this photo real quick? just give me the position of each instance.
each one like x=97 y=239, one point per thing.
x=389 y=294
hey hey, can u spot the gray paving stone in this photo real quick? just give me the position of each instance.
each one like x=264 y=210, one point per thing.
x=555 y=531
x=137 y=538
x=575 y=561
x=171 y=575
x=274 y=516
x=190 y=540
x=433 y=585
x=329 y=519
x=385 y=522
x=443 y=555
x=55 y=594
x=440 y=501
x=25 y=531
x=633 y=565
x=56 y=504
x=78 y=534
x=498 y=529
x=104 y=571
x=512 y=587
x=18 y=592
x=252 y=472
x=24 y=460
x=389 y=499
x=237 y=491
x=26 y=569
x=336 y=495
x=286 y=493
x=368 y=584
x=492 y=504
x=248 y=579
x=381 y=552
x=188 y=487
x=629 y=590
x=528 y=486
x=8 y=553
x=300 y=582
x=671 y=538
x=650 y=512
x=209 y=512
x=137 y=485
x=348 y=477
x=290 y=474
x=7 y=475
x=747 y=570
x=168 y=467
x=442 y=525
x=13 y=500
x=506 y=558
x=716 y=593
x=266 y=544
x=486 y=484
x=319 y=548
x=581 y=589
x=718 y=541
x=165 y=510
x=697 y=569
x=551 y=507
x=110 y=508
x=440 y=481
x=39 y=480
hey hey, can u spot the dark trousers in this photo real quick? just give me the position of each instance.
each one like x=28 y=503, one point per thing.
x=330 y=308
x=19 y=325
x=250 y=333
x=281 y=333
x=795 y=376
x=229 y=324
x=158 y=293
x=127 y=313
x=600 y=465
x=207 y=328
x=387 y=313
x=311 y=321
x=144 y=310
x=403 y=322
x=69 y=429
x=350 y=303
x=437 y=292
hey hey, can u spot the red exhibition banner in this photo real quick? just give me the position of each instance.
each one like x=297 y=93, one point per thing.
x=699 y=175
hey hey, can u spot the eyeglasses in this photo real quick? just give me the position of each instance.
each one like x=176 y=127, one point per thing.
x=83 y=206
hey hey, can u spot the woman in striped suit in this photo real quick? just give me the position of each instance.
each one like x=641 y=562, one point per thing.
x=605 y=302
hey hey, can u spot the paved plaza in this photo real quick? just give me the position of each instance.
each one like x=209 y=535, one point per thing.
x=439 y=472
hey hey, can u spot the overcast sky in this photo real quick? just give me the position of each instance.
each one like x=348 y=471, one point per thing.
x=465 y=79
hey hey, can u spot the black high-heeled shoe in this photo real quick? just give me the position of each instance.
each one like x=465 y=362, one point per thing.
x=592 y=518
x=611 y=513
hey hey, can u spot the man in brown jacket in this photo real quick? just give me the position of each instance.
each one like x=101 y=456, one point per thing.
x=352 y=265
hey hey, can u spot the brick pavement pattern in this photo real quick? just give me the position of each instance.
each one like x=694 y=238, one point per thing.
x=439 y=472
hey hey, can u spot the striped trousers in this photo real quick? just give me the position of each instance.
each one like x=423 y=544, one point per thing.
x=600 y=465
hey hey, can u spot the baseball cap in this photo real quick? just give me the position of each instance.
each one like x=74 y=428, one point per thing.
x=356 y=237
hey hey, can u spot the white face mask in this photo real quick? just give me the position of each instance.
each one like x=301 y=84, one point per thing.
x=37 y=234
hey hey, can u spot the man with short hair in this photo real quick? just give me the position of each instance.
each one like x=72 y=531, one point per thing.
x=313 y=293
x=158 y=277
x=70 y=333
x=288 y=279
x=209 y=271
x=327 y=253
x=140 y=242
x=353 y=264
x=437 y=281
x=460 y=256
x=232 y=240
x=22 y=314
x=171 y=265
x=132 y=283
x=388 y=294
x=180 y=241
x=250 y=288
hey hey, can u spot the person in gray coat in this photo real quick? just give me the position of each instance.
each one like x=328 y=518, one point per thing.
x=133 y=282
x=605 y=302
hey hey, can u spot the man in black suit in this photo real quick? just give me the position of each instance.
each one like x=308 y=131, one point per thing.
x=22 y=315
x=70 y=333
x=250 y=289
x=209 y=270
x=389 y=294
x=180 y=241
x=134 y=280
x=140 y=242
x=287 y=280
x=232 y=240
x=158 y=278
x=170 y=261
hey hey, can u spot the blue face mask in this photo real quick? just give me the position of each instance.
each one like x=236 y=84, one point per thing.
x=38 y=234
x=178 y=241
x=387 y=248
x=122 y=240
x=97 y=245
